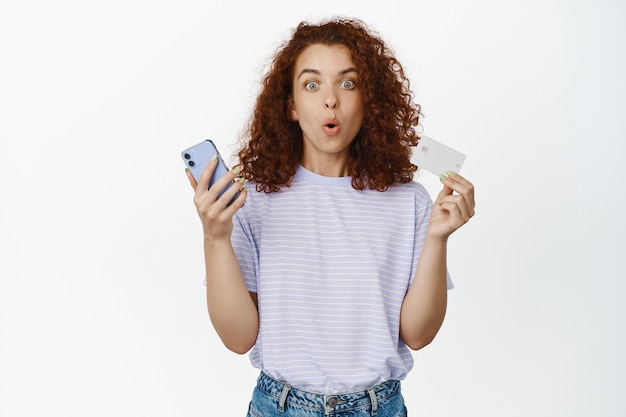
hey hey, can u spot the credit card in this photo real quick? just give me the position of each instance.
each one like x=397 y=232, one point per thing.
x=435 y=157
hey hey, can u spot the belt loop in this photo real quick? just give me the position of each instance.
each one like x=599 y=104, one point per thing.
x=283 y=398
x=372 y=394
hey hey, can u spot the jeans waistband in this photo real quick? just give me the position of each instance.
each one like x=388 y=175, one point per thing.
x=285 y=394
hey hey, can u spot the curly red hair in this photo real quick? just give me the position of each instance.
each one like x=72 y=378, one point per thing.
x=379 y=154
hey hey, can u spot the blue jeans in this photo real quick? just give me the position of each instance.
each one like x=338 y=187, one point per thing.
x=272 y=398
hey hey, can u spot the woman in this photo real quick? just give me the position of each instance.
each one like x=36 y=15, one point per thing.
x=336 y=265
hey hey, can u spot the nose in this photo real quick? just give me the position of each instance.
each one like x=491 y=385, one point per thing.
x=331 y=101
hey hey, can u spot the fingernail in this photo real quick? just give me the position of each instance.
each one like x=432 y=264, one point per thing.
x=236 y=170
x=241 y=180
x=443 y=177
x=214 y=158
x=245 y=188
x=451 y=173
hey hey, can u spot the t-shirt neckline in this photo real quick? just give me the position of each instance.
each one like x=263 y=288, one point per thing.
x=317 y=179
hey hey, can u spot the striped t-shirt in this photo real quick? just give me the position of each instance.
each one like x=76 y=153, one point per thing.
x=331 y=266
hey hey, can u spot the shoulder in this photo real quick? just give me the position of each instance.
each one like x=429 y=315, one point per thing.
x=415 y=188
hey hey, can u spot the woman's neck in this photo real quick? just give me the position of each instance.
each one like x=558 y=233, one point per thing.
x=327 y=167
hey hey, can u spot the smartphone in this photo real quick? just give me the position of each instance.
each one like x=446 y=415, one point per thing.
x=435 y=157
x=197 y=158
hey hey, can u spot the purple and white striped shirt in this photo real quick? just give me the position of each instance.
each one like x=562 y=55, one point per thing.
x=331 y=266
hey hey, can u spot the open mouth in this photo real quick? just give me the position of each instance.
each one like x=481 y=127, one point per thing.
x=331 y=126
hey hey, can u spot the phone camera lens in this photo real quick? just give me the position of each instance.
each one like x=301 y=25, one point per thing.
x=191 y=163
x=187 y=156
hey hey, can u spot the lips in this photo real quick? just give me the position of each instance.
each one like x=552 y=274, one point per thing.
x=331 y=127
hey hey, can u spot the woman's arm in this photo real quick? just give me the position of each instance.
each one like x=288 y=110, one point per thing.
x=232 y=309
x=424 y=306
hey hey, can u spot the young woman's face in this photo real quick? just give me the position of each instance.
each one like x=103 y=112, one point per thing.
x=327 y=104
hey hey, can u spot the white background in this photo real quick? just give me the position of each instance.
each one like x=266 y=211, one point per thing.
x=102 y=309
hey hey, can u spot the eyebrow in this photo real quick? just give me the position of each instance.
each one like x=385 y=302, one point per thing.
x=316 y=72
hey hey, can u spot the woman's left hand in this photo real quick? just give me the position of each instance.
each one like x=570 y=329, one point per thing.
x=454 y=206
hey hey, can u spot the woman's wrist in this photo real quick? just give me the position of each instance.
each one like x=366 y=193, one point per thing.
x=436 y=238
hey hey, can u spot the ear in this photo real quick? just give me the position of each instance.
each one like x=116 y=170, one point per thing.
x=293 y=114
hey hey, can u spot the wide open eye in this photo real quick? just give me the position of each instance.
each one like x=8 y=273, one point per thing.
x=348 y=84
x=310 y=85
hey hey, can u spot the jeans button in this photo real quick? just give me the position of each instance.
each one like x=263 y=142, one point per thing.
x=332 y=402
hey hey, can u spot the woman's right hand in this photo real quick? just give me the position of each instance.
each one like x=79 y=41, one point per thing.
x=215 y=213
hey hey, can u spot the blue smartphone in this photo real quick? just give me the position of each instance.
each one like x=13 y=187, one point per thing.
x=198 y=156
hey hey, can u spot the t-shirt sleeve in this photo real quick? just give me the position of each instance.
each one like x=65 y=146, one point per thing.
x=423 y=207
x=245 y=248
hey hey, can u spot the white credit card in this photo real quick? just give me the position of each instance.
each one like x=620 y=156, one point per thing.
x=436 y=157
